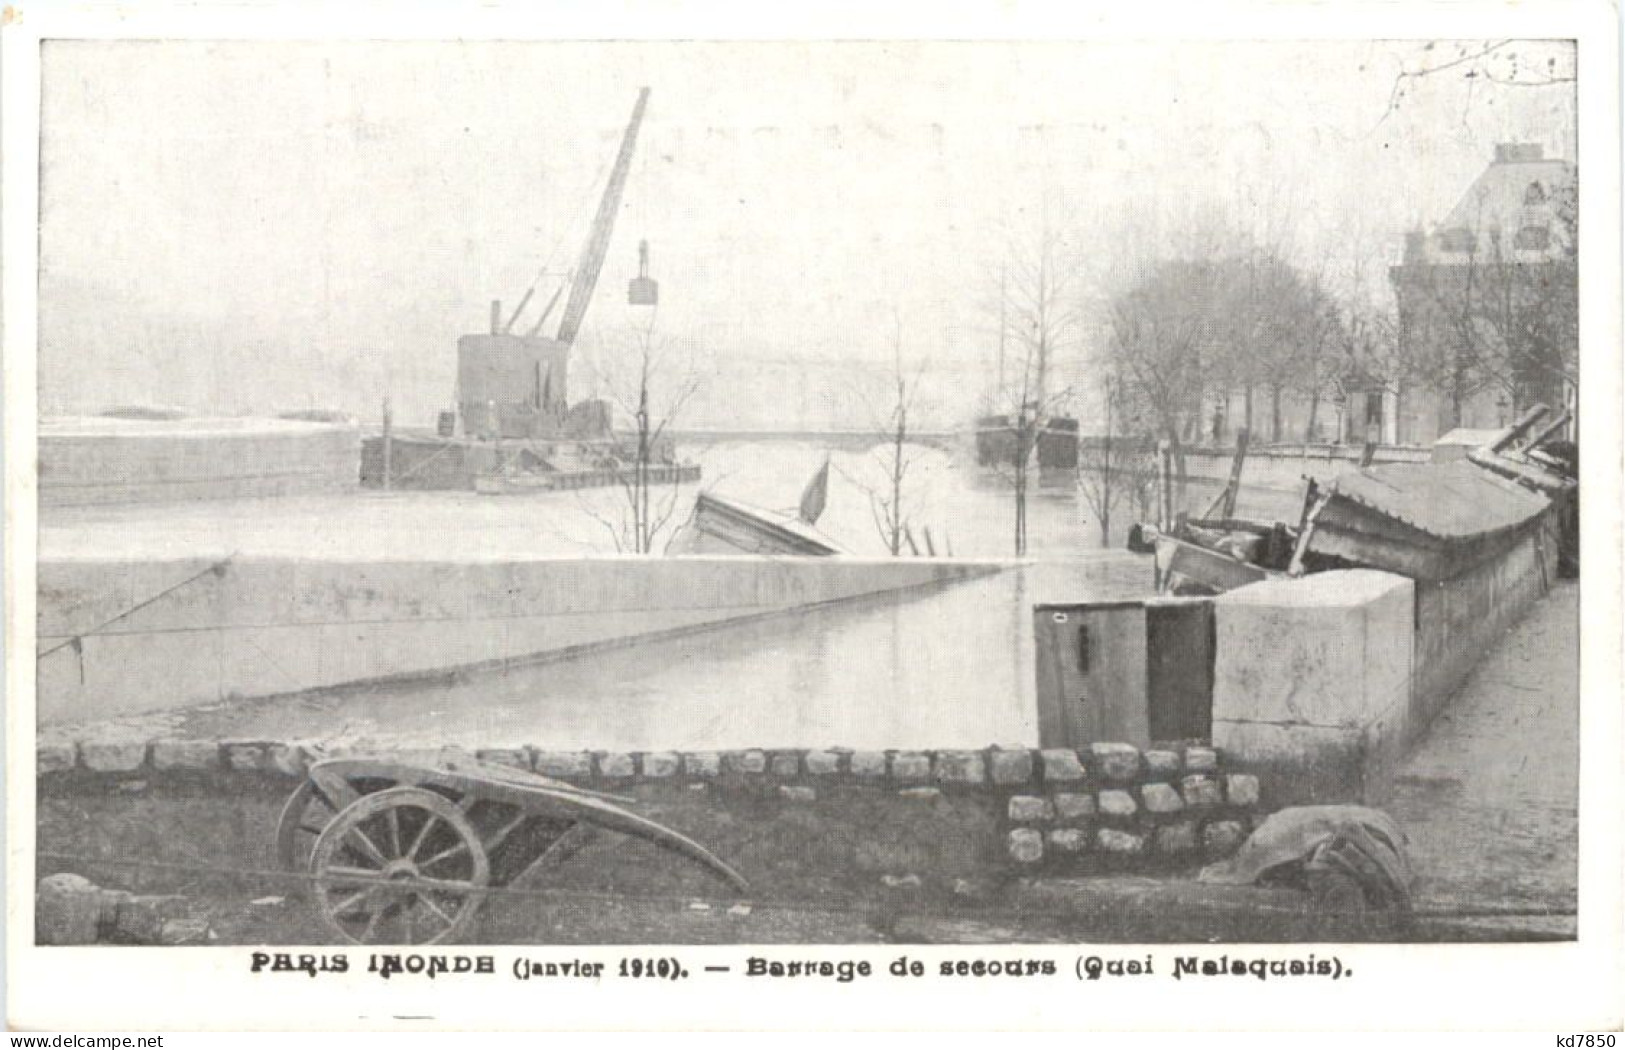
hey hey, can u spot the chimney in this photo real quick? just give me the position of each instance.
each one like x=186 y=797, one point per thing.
x=496 y=316
x=1515 y=152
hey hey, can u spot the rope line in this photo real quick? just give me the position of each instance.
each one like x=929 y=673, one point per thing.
x=217 y=568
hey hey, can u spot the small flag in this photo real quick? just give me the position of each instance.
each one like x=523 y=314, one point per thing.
x=817 y=492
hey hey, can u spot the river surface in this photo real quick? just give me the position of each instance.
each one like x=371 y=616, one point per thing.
x=951 y=666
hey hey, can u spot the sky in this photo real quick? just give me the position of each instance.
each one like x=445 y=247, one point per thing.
x=252 y=227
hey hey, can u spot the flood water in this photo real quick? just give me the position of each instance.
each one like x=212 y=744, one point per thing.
x=948 y=667
x=945 y=667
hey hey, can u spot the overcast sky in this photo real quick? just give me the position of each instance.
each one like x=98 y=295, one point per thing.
x=257 y=226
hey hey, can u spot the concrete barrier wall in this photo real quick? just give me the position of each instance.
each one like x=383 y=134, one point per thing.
x=212 y=631
x=1326 y=683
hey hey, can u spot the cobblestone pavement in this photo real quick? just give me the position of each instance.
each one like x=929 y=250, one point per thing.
x=1489 y=798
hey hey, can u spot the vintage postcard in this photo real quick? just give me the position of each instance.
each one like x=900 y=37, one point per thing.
x=1006 y=517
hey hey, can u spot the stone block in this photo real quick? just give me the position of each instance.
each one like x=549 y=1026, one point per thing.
x=70 y=909
x=797 y=793
x=246 y=757
x=702 y=763
x=868 y=763
x=661 y=764
x=1161 y=798
x=1011 y=767
x=910 y=765
x=1068 y=840
x=920 y=794
x=1201 y=760
x=1026 y=808
x=54 y=758
x=1116 y=803
x=824 y=763
x=1200 y=791
x=1161 y=765
x=1122 y=843
x=1223 y=837
x=141 y=919
x=1061 y=766
x=1178 y=837
x=291 y=759
x=113 y=757
x=1116 y=762
x=751 y=761
x=1241 y=789
x=567 y=764
x=1074 y=805
x=786 y=764
x=185 y=754
x=616 y=765
x=960 y=767
x=1026 y=846
x=516 y=757
x=1328 y=649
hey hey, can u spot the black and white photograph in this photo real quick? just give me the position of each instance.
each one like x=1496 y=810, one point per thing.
x=1039 y=493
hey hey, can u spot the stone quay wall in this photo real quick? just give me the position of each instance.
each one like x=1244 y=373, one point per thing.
x=845 y=816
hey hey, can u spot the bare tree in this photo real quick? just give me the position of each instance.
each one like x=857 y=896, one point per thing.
x=1039 y=318
x=890 y=501
x=1118 y=466
x=651 y=393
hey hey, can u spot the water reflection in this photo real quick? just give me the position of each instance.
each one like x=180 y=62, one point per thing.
x=947 y=667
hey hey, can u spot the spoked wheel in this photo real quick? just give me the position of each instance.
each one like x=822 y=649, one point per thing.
x=307 y=811
x=400 y=866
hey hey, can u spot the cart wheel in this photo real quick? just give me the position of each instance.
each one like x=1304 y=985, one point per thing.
x=305 y=814
x=399 y=866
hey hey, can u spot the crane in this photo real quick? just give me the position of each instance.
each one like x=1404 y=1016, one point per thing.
x=603 y=225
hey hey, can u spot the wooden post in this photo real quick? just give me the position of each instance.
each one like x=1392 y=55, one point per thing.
x=1230 y=490
x=389 y=444
x=1165 y=491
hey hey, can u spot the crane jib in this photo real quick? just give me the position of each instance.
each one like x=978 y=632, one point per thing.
x=592 y=257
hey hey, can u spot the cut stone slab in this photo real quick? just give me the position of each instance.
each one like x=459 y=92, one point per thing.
x=1162 y=765
x=920 y=794
x=1161 y=798
x=797 y=793
x=868 y=763
x=1119 y=762
x=1068 y=840
x=702 y=763
x=1027 y=808
x=185 y=754
x=752 y=761
x=1120 y=842
x=1061 y=766
x=617 y=765
x=1026 y=846
x=54 y=758
x=786 y=764
x=1241 y=789
x=1200 y=791
x=564 y=763
x=1201 y=760
x=112 y=757
x=1074 y=806
x=960 y=767
x=910 y=765
x=1011 y=767
x=822 y=763
x=661 y=764
x=1116 y=803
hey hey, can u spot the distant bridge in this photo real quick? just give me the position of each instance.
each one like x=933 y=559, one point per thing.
x=843 y=440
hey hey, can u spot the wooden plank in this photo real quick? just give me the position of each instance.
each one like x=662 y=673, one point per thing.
x=1179 y=669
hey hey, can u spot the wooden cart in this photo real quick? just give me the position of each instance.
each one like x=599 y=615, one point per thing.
x=400 y=853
